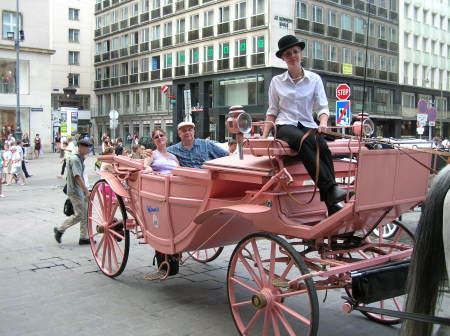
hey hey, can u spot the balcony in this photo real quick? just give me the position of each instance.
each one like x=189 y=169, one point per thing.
x=134 y=20
x=114 y=54
x=105 y=83
x=360 y=38
x=359 y=71
x=393 y=77
x=240 y=24
x=114 y=81
x=193 y=35
x=346 y=35
x=382 y=75
x=167 y=73
x=134 y=78
x=134 y=49
x=333 y=67
x=193 y=3
x=115 y=2
x=223 y=28
x=382 y=12
x=143 y=77
x=105 y=56
x=114 y=27
x=348 y=3
x=393 y=46
x=155 y=74
x=193 y=69
x=97 y=84
x=207 y=31
x=223 y=64
x=167 y=10
x=257 y=20
x=258 y=59
x=156 y=13
x=393 y=16
x=123 y=80
x=318 y=28
x=208 y=66
x=98 y=32
x=167 y=41
x=179 y=5
x=179 y=38
x=123 y=24
x=382 y=44
x=144 y=47
x=240 y=62
x=98 y=7
x=106 y=30
x=106 y=3
x=333 y=32
x=372 y=73
x=318 y=64
x=145 y=17
x=360 y=5
x=123 y=52
x=303 y=24
x=97 y=58
x=156 y=44
x=180 y=71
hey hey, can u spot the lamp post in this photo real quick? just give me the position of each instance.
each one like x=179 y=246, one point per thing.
x=17 y=38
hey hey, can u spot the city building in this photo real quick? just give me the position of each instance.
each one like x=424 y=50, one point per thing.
x=223 y=53
x=424 y=59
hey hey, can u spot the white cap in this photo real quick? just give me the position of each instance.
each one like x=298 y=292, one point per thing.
x=185 y=123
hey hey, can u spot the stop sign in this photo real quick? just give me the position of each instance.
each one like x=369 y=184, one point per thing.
x=343 y=92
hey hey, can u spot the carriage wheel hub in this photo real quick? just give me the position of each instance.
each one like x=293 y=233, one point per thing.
x=100 y=229
x=259 y=301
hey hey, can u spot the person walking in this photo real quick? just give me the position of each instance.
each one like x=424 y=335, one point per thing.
x=7 y=163
x=57 y=143
x=37 y=146
x=26 y=146
x=78 y=193
x=21 y=150
x=1 y=176
x=16 y=166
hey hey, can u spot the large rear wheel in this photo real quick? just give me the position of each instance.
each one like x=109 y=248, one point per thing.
x=264 y=293
x=109 y=236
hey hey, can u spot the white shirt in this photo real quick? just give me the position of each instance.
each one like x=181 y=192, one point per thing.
x=292 y=103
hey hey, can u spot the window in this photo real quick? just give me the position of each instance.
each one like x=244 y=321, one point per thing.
x=371 y=61
x=74 y=35
x=240 y=47
x=74 y=57
x=156 y=32
x=224 y=14
x=194 y=21
x=156 y=4
x=124 y=41
x=157 y=98
x=116 y=99
x=136 y=98
x=332 y=53
x=359 y=26
x=425 y=47
x=74 y=14
x=317 y=50
x=406 y=10
x=244 y=90
x=258 y=7
x=372 y=31
x=98 y=22
x=9 y=23
x=346 y=55
x=346 y=22
x=134 y=67
x=181 y=58
x=393 y=35
x=144 y=64
x=144 y=35
x=416 y=13
x=74 y=79
x=180 y=26
x=114 y=70
x=301 y=10
x=208 y=18
x=408 y=100
x=124 y=13
x=434 y=20
x=393 y=5
x=98 y=48
x=416 y=42
x=332 y=18
x=98 y=74
x=135 y=9
x=433 y=47
x=124 y=69
x=406 y=40
x=241 y=10
x=115 y=43
x=382 y=63
x=114 y=17
x=193 y=56
x=360 y=58
x=145 y=7
x=167 y=29
x=258 y=44
x=425 y=17
x=106 y=46
x=208 y=53
x=156 y=63
x=224 y=50
x=384 y=96
x=382 y=32
x=134 y=36
x=167 y=60
x=317 y=14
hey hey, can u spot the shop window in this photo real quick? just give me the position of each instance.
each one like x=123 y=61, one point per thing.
x=239 y=91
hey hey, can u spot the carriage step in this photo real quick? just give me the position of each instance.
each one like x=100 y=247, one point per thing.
x=158 y=275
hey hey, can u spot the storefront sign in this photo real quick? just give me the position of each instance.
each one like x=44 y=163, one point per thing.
x=347 y=69
x=37 y=109
x=284 y=22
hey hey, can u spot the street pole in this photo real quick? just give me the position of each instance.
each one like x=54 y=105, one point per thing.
x=17 y=46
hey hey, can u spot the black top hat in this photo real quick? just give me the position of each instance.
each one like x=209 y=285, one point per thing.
x=286 y=42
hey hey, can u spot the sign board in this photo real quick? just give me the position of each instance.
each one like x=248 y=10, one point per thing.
x=432 y=114
x=187 y=105
x=422 y=119
x=113 y=123
x=422 y=106
x=37 y=109
x=347 y=69
x=69 y=121
x=343 y=113
x=343 y=92
x=113 y=115
x=420 y=130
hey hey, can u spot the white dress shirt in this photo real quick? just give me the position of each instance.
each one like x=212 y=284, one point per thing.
x=292 y=103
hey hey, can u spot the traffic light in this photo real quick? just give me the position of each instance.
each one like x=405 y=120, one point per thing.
x=21 y=35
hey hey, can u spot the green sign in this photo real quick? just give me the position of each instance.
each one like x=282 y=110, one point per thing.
x=195 y=55
x=210 y=52
x=169 y=60
x=226 y=50
x=260 y=43
x=243 y=46
x=182 y=57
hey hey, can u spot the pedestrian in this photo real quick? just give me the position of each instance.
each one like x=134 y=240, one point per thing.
x=22 y=153
x=37 y=146
x=7 y=164
x=293 y=96
x=57 y=142
x=69 y=147
x=1 y=176
x=78 y=193
x=129 y=140
x=16 y=166
x=26 y=146
x=92 y=141
x=119 y=147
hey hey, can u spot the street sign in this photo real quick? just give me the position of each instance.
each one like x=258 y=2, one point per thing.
x=422 y=106
x=113 y=123
x=420 y=130
x=432 y=114
x=187 y=105
x=113 y=115
x=422 y=119
x=343 y=92
x=343 y=113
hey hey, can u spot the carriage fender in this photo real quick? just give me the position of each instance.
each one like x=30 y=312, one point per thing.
x=115 y=184
x=244 y=210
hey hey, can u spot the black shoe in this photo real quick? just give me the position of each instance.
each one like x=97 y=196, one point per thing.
x=332 y=209
x=58 y=235
x=337 y=194
x=84 y=241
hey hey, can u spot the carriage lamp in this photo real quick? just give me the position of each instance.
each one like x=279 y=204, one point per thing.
x=363 y=124
x=239 y=122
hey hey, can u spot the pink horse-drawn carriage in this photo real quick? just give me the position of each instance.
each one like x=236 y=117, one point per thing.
x=287 y=247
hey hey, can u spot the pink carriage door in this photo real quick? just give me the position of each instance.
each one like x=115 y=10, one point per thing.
x=154 y=211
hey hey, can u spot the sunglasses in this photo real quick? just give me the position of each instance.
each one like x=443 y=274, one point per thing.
x=158 y=136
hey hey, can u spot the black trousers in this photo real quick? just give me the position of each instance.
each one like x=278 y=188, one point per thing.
x=24 y=169
x=63 y=168
x=293 y=135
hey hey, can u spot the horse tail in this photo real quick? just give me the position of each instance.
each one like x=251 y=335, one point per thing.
x=428 y=270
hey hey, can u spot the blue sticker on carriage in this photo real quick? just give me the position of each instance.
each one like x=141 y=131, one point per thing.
x=343 y=113
x=150 y=209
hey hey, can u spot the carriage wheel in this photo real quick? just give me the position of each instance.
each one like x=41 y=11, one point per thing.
x=388 y=229
x=263 y=293
x=110 y=239
x=206 y=255
x=401 y=240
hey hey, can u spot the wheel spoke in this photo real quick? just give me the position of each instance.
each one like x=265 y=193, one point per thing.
x=105 y=242
x=253 y=321
x=285 y=323
x=240 y=304
x=397 y=304
x=266 y=322
x=113 y=252
x=294 y=314
x=99 y=246
x=272 y=260
x=276 y=328
x=243 y=284
x=288 y=294
x=116 y=244
x=114 y=233
x=109 y=253
x=288 y=269
x=258 y=262
x=250 y=270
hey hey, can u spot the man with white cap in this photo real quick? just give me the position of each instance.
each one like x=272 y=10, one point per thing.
x=192 y=152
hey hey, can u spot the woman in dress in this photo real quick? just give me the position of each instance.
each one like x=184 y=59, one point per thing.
x=160 y=160
x=37 y=146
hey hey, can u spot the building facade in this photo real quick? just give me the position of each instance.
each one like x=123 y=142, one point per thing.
x=223 y=52
x=424 y=60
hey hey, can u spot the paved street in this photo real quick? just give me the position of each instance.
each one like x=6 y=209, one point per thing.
x=51 y=289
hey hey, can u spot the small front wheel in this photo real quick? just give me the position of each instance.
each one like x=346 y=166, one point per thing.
x=267 y=292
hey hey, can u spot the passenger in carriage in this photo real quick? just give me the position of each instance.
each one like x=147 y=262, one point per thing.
x=193 y=152
x=160 y=160
x=293 y=96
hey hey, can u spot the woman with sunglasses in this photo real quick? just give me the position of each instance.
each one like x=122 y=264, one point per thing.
x=160 y=160
x=293 y=97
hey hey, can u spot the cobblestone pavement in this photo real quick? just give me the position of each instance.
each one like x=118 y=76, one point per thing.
x=51 y=289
